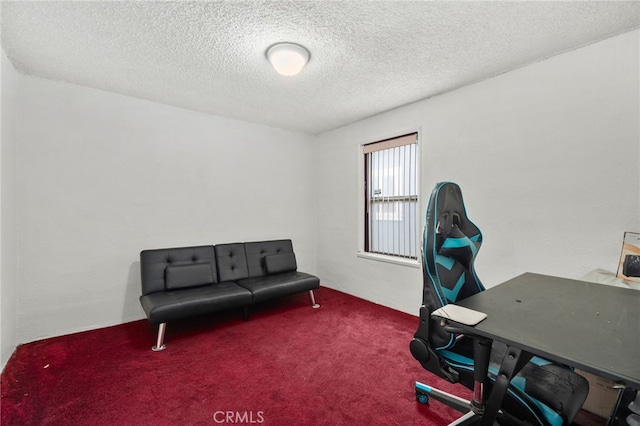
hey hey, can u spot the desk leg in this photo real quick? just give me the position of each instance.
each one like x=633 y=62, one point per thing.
x=481 y=357
x=513 y=361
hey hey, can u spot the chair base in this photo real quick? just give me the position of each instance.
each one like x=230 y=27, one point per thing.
x=424 y=392
x=471 y=416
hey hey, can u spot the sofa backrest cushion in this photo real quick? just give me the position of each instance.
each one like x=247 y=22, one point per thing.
x=186 y=276
x=153 y=264
x=279 y=263
x=259 y=250
x=231 y=261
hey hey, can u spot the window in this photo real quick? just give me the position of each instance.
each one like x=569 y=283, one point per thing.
x=391 y=197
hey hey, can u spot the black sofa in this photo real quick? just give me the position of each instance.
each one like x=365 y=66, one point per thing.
x=185 y=282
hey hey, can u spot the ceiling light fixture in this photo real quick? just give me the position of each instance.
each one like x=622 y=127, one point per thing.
x=288 y=58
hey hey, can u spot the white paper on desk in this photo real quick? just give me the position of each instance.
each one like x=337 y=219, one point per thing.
x=459 y=314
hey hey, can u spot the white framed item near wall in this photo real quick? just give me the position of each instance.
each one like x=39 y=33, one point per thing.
x=629 y=265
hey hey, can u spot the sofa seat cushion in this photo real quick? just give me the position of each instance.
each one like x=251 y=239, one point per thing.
x=165 y=306
x=272 y=286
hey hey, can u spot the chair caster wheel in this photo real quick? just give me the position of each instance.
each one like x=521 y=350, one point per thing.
x=422 y=398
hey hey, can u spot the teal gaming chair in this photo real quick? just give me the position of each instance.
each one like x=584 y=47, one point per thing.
x=542 y=393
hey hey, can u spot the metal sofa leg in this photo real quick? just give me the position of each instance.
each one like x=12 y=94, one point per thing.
x=160 y=343
x=314 y=305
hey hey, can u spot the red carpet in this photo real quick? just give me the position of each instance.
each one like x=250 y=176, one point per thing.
x=346 y=363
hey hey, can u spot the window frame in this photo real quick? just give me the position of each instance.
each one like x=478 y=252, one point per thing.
x=363 y=233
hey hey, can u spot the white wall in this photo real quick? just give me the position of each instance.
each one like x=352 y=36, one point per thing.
x=8 y=278
x=103 y=176
x=547 y=158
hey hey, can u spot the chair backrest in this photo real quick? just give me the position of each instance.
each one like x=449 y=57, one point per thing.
x=450 y=245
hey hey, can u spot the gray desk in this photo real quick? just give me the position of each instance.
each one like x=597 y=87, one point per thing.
x=589 y=326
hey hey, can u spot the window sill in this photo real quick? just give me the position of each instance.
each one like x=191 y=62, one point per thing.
x=389 y=259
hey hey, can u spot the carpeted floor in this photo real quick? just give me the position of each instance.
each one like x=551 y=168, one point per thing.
x=346 y=363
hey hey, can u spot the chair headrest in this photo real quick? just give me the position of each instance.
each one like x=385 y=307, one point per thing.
x=450 y=214
x=447 y=217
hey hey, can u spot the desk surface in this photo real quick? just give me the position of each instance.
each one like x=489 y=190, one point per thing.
x=589 y=326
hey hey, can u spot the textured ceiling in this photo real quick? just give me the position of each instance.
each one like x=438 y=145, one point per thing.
x=366 y=57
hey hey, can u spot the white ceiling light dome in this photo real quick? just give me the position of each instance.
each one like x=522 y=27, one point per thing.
x=288 y=58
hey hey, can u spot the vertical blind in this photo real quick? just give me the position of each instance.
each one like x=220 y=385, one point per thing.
x=391 y=193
